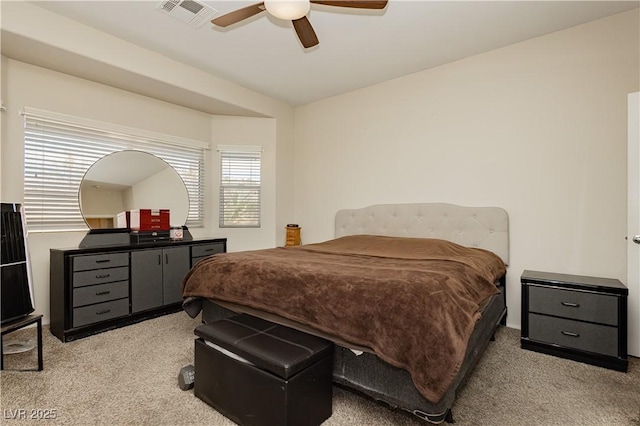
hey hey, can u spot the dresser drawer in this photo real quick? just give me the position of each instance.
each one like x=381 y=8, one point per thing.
x=596 y=338
x=578 y=305
x=100 y=276
x=90 y=295
x=109 y=260
x=100 y=312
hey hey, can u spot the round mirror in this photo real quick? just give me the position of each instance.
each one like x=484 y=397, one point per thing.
x=131 y=180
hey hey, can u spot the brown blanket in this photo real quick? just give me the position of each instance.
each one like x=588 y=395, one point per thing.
x=413 y=301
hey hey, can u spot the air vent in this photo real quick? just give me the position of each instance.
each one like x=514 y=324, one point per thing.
x=191 y=12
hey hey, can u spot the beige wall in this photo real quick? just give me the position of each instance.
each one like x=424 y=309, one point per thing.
x=538 y=128
x=28 y=85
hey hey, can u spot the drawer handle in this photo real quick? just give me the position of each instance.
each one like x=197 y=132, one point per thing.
x=103 y=276
x=210 y=249
x=103 y=261
x=570 y=334
x=106 y=311
x=102 y=293
x=572 y=305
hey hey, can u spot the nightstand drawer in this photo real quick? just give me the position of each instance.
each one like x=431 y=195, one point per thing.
x=98 y=261
x=100 y=276
x=578 y=305
x=574 y=334
x=201 y=250
x=100 y=312
x=100 y=293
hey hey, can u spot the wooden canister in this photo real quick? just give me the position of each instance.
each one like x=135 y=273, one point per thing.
x=293 y=235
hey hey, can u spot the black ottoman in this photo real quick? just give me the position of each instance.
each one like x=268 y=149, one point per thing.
x=258 y=373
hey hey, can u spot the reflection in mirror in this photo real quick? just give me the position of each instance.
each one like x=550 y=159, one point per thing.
x=130 y=180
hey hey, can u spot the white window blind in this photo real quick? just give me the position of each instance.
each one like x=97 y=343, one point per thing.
x=240 y=186
x=58 y=152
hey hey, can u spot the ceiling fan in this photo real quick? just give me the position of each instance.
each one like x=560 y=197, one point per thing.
x=294 y=11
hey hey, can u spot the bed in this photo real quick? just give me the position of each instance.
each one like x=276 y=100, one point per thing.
x=410 y=293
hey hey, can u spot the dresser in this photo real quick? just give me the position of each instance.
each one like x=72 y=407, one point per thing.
x=94 y=289
x=576 y=317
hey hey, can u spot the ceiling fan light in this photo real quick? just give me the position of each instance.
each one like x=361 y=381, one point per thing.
x=287 y=9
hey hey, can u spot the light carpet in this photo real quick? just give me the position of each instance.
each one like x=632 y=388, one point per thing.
x=129 y=376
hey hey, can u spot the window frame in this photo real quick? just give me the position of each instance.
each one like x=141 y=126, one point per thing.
x=245 y=178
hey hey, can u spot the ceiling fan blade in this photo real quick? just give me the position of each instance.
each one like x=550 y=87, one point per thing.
x=363 y=4
x=238 y=15
x=305 y=32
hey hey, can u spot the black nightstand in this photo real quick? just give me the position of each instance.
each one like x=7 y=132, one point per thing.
x=575 y=317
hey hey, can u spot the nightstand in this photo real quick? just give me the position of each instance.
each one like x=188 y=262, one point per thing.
x=575 y=317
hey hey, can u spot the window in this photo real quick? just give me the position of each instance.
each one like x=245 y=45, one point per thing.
x=240 y=186
x=59 y=149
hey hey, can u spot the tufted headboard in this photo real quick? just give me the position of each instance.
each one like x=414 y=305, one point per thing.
x=483 y=227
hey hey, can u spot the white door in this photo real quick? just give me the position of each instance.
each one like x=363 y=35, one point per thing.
x=633 y=227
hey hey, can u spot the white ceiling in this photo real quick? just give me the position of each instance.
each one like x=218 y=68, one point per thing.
x=357 y=48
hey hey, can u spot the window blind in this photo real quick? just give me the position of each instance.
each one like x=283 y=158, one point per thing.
x=57 y=153
x=240 y=184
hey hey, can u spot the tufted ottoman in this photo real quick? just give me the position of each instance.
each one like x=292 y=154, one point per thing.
x=258 y=373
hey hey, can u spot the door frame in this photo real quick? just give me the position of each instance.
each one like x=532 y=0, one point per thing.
x=633 y=224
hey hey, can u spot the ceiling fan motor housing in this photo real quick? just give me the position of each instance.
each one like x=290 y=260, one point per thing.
x=288 y=9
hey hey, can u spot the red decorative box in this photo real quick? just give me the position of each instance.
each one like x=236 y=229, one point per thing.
x=149 y=220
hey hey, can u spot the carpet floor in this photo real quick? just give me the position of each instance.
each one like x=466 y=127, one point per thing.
x=129 y=376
